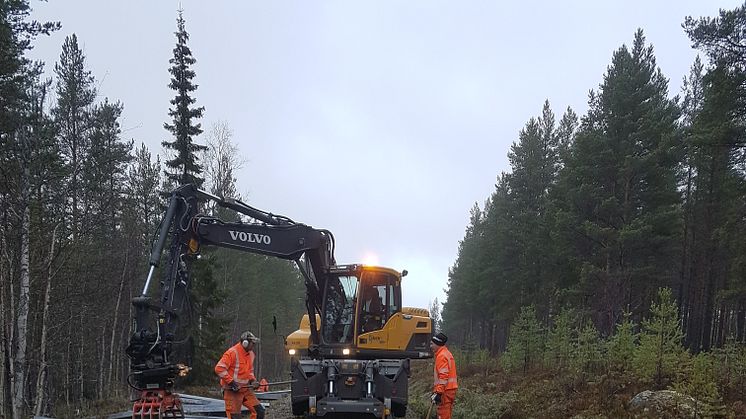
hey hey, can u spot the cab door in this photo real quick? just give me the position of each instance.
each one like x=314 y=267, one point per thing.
x=380 y=299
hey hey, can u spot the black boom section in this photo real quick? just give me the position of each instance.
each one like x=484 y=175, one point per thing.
x=282 y=241
x=154 y=342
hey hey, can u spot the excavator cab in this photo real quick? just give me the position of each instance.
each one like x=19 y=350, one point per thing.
x=362 y=316
x=359 y=302
x=366 y=341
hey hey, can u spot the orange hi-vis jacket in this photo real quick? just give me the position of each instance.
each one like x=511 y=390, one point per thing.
x=444 y=374
x=236 y=365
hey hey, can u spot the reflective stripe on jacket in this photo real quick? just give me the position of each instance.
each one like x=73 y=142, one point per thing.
x=444 y=374
x=236 y=365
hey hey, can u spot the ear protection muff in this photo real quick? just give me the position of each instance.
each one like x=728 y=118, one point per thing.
x=245 y=343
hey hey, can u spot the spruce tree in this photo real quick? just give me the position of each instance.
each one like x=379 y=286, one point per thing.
x=184 y=167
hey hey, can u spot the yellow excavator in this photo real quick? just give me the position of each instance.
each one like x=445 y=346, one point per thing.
x=368 y=339
x=352 y=352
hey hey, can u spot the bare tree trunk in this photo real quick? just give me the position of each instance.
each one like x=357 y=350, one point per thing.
x=116 y=322
x=5 y=370
x=121 y=362
x=41 y=377
x=740 y=321
x=81 y=359
x=68 y=361
x=101 y=362
x=19 y=359
x=258 y=353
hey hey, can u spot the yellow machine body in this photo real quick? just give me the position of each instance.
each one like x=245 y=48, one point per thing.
x=392 y=332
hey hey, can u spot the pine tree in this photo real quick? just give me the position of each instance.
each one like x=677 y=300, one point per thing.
x=16 y=36
x=588 y=350
x=502 y=278
x=722 y=38
x=716 y=138
x=143 y=181
x=622 y=345
x=75 y=96
x=74 y=122
x=618 y=209
x=525 y=344
x=560 y=341
x=458 y=318
x=103 y=174
x=566 y=134
x=660 y=351
x=701 y=385
x=535 y=161
x=184 y=167
x=24 y=144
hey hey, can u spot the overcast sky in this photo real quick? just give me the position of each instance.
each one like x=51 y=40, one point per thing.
x=381 y=121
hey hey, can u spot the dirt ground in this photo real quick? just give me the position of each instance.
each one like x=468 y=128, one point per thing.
x=280 y=409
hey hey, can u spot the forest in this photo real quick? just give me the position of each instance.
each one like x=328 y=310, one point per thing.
x=80 y=205
x=616 y=240
x=613 y=247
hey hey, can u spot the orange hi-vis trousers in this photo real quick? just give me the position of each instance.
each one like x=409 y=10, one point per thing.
x=243 y=397
x=445 y=408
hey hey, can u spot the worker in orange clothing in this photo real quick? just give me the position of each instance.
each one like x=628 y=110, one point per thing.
x=263 y=385
x=444 y=377
x=236 y=372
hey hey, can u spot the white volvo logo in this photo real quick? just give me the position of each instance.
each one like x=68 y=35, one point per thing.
x=250 y=237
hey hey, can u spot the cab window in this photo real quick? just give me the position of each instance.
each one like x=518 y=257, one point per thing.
x=339 y=307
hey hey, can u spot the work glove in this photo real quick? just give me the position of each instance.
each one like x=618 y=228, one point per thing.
x=435 y=398
x=233 y=386
x=254 y=384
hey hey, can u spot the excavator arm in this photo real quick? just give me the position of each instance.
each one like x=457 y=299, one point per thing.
x=186 y=229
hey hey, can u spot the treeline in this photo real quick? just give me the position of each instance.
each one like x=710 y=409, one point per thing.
x=79 y=207
x=599 y=212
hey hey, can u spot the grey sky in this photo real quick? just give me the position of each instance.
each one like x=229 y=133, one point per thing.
x=381 y=121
